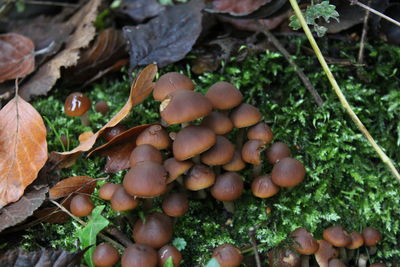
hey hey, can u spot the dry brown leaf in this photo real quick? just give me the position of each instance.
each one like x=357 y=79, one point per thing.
x=16 y=56
x=44 y=79
x=51 y=215
x=84 y=136
x=75 y=184
x=23 y=148
x=140 y=89
x=242 y=7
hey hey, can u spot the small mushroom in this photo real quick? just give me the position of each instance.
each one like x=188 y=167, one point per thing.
x=77 y=105
x=218 y=122
x=199 y=177
x=144 y=152
x=260 y=131
x=154 y=135
x=263 y=187
x=168 y=251
x=112 y=132
x=371 y=236
x=171 y=82
x=227 y=255
x=228 y=187
x=105 y=255
x=251 y=153
x=175 y=205
x=81 y=205
x=245 y=115
x=337 y=236
x=107 y=190
x=357 y=240
x=305 y=244
x=220 y=153
x=236 y=163
x=176 y=168
x=277 y=151
x=139 y=255
x=102 y=107
x=324 y=253
x=122 y=201
x=288 y=172
x=224 y=96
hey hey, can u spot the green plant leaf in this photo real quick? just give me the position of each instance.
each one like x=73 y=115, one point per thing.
x=169 y=262
x=87 y=235
x=179 y=243
x=213 y=263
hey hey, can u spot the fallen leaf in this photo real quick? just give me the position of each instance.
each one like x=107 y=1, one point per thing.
x=47 y=75
x=140 y=10
x=255 y=24
x=84 y=136
x=16 y=56
x=75 y=184
x=23 y=148
x=140 y=89
x=238 y=7
x=166 y=38
x=51 y=215
x=42 y=258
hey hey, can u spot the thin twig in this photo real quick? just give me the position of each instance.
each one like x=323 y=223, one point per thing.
x=254 y=245
x=339 y=92
x=288 y=57
x=121 y=237
x=376 y=12
x=48 y=3
x=363 y=35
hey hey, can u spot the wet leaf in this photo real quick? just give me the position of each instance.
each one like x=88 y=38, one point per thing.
x=42 y=258
x=140 y=10
x=140 y=89
x=16 y=56
x=166 y=38
x=75 y=184
x=23 y=148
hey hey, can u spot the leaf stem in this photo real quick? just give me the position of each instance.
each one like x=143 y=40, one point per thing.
x=376 y=12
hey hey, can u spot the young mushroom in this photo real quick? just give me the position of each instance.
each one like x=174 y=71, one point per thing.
x=81 y=205
x=144 y=152
x=224 y=96
x=235 y=164
x=218 y=122
x=288 y=172
x=107 y=190
x=122 y=201
x=263 y=187
x=139 y=255
x=227 y=188
x=305 y=244
x=154 y=135
x=227 y=255
x=176 y=168
x=220 y=153
x=167 y=252
x=260 y=131
x=78 y=105
x=102 y=107
x=171 y=82
x=175 y=205
x=277 y=151
x=105 y=255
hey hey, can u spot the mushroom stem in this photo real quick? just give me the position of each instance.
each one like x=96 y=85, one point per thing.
x=229 y=206
x=196 y=159
x=239 y=139
x=201 y=194
x=372 y=250
x=147 y=203
x=343 y=254
x=350 y=255
x=85 y=119
x=257 y=170
x=362 y=260
x=305 y=261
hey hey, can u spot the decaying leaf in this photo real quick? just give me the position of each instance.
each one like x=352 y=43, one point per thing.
x=238 y=7
x=140 y=89
x=47 y=75
x=51 y=215
x=166 y=38
x=75 y=184
x=23 y=148
x=42 y=258
x=140 y=10
x=16 y=56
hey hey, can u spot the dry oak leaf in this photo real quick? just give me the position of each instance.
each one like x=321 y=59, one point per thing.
x=140 y=90
x=74 y=184
x=16 y=56
x=47 y=75
x=23 y=148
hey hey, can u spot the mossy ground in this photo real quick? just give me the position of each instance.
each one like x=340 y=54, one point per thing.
x=346 y=183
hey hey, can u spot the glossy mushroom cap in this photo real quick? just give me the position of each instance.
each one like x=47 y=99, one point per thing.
x=146 y=179
x=235 y=164
x=324 y=253
x=107 y=190
x=144 y=153
x=155 y=231
x=251 y=151
x=371 y=236
x=263 y=187
x=305 y=243
x=218 y=122
x=228 y=187
x=102 y=107
x=175 y=205
x=245 y=115
x=283 y=257
x=277 y=151
x=356 y=240
x=171 y=82
x=76 y=104
x=224 y=95
x=81 y=205
x=220 y=153
x=191 y=141
x=156 y=136
x=337 y=236
x=227 y=255
x=122 y=201
x=184 y=106
x=288 y=172
x=176 y=168
x=105 y=255
x=260 y=131
x=168 y=251
x=199 y=177
x=112 y=132
x=139 y=255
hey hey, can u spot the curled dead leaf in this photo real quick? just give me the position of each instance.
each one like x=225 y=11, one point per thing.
x=75 y=184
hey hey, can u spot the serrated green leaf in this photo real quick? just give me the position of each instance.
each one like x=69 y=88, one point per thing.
x=87 y=235
x=179 y=243
x=213 y=263
x=169 y=262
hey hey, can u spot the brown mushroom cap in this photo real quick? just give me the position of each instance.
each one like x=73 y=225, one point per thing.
x=220 y=153
x=228 y=187
x=337 y=236
x=184 y=106
x=245 y=115
x=371 y=236
x=169 y=251
x=260 y=131
x=107 y=190
x=112 y=132
x=356 y=240
x=277 y=151
x=102 y=107
x=155 y=231
x=224 y=95
x=263 y=187
x=325 y=253
x=105 y=255
x=176 y=168
x=191 y=141
x=146 y=179
x=218 y=122
x=175 y=205
x=336 y=263
x=236 y=163
x=199 y=177
x=144 y=153
x=378 y=265
x=139 y=255
x=227 y=255
x=81 y=205
x=154 y=135
x=305 y=243
x=288 y=172
x=251 y=151
x=171 y=82
x=76 y=104
x=283 y=257
x=122 y=201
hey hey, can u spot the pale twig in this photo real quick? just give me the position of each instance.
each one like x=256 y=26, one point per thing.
x=363 y=35
x=339 y=92
x=376 y=12
x=254 y=245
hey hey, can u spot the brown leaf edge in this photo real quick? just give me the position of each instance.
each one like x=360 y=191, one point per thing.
x=74 y=184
